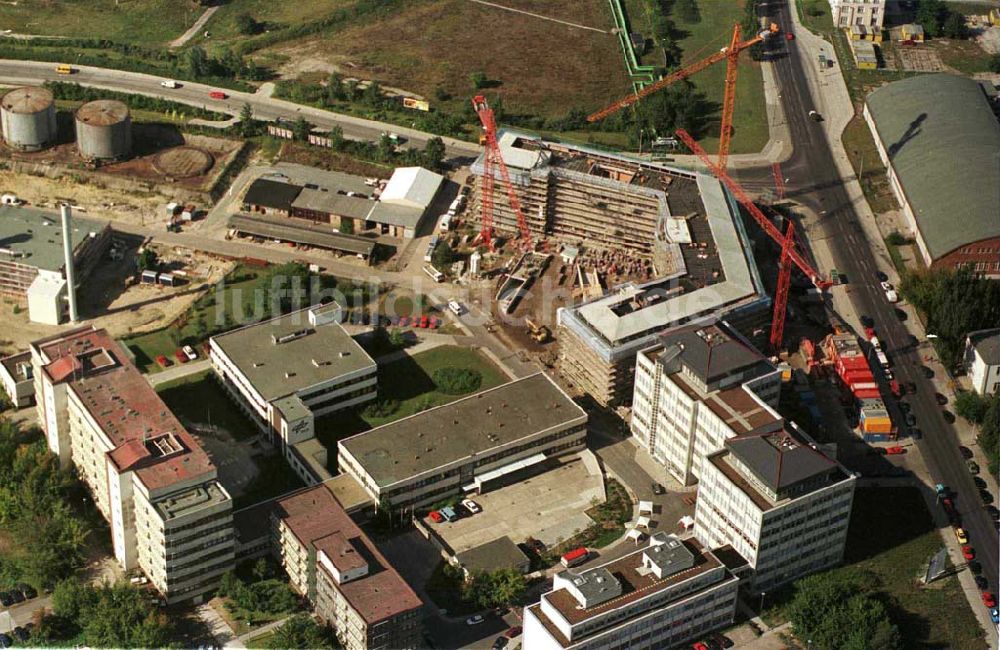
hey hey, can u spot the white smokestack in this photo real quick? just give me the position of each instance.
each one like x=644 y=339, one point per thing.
x=67 y=230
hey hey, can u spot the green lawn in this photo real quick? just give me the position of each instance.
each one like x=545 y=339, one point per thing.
x=750 y=131
x=860 y=148
x=146 y=22
x=815 y=15
x=200 y=399
x=228 y=303
x=409 y=381
x=892 y=536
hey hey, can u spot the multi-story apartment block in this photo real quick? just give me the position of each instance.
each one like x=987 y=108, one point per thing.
x=697 y=387
x=333 y=563
x=465 y=445
x=655 y=597
x=779 y=502
x=287 y=371
x=169 y=515
x=862 y=13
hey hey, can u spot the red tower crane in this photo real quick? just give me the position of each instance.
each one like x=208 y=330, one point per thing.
x=789 y=253
x=491 y=162
x=731 y=55
x=779 y=182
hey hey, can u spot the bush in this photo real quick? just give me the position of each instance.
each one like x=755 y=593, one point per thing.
x=457 y=381
x=971 y=406
x=995 y=63
x=381 y=408
x=896 y=238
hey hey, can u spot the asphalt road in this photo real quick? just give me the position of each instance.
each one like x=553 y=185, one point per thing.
x=15 y=72
x=816 y=184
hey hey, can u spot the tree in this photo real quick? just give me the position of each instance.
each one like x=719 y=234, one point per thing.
x=248 y=125
x=443 y=256
x=840 y=609
x=335 y=88
x=301 y=129
x=478 y=80
x=396 y=338
x=386 y=148
x=247 y=24
x=971 y=406
x=300 y=631
x=457 y=381
x=336 y=136
x=930 y=15
x=373 y=94
x=687 y=11
x=434 y=153
x=499 y=588
x=989 y=433
x=198 y=63
x=954 y=26
x=994 y=63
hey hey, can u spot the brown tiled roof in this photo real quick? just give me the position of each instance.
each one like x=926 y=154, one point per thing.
x=126 y=408
x=315 y=517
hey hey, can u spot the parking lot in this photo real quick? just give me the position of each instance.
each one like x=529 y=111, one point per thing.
x=548 y=506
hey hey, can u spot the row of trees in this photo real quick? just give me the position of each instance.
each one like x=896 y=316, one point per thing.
x=954 y=303
x=44 y=537
x=105 y=616
x=226 y=63
x=301 y=631
x=938 y=19
x=985 y=412
x=263 y=597
x=75 y=92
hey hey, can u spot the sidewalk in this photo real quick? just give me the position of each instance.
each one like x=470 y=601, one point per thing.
x=220 y=630
x=831 y=98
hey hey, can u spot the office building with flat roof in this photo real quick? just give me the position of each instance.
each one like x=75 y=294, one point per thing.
x=659 y=596
x=32 y=259
x=466 y=444
x=697 y=387
x=17 y=379
x=778 y=501
x=169 y=515
x=289 y=370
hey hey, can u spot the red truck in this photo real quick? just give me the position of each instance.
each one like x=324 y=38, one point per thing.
x=217 y=94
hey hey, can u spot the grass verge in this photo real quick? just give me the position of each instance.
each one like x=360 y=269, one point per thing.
x=860 y=147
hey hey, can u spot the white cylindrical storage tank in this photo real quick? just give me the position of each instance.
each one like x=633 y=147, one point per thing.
x=104 y=130
x=28 y=117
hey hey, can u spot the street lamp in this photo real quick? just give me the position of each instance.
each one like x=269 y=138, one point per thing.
x=762 y=594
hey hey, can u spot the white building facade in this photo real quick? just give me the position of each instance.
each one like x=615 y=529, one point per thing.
x=982 y=360
x=863 y=13
x=696 y=389
x=782 y=505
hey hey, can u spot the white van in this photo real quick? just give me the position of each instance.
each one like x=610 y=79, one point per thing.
x=170 y=83
x=455 y=307
x=445 y=224
x=434 y=274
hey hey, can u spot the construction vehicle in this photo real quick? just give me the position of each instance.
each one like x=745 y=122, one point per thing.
x=492 y=163
x=540 y=333
x=790 y=255
x=731 y=55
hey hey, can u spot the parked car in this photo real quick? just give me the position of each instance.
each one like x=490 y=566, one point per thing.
x=928 y=372
x=989 y=599
x=973 y=467
x=658 y=489
x=471 y=506
x=968 y=553
x=911 y=421
x=993 y=512
x=789 y=36
x=986 y=496
x=911 y=387
x=894 y=451
x=6 y=599
x=475 y=619
x=162 y=361
x=982 y=583
x=28 y=591
x=867 y=321
x=965 y=451
x=995 y=615
x=961 y=536
x=916 y=433
x=940 y=399
x=17 y=596
x=904 y=406
x=436 y=517
x=513 y=632
x=448 y=513
x=6 y=641
x=21 y=634
x=500 y=643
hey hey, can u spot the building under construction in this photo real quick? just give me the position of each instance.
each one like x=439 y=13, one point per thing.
x=684 y=226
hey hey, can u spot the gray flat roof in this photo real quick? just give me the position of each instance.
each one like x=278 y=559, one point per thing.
x=471 y=426
x=987 y=344
x=942 y=140
x=37 y=234
x=396 y=215
x=302 y=232
x=266 y=363
x=501 y=553
x=341 y=205
x=779 y=460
